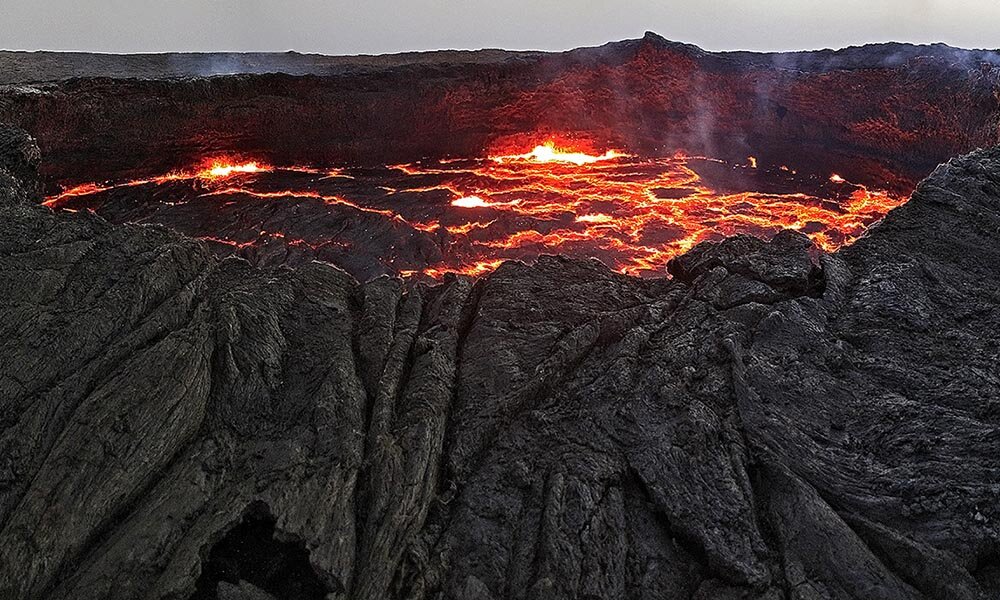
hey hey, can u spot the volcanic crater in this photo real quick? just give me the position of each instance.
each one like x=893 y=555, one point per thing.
x=371 y=400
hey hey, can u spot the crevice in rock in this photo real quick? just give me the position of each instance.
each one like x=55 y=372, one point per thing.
x=987 y=569
x=633 y=483
x=761 y=488
x=448 y=480
x=253 y=553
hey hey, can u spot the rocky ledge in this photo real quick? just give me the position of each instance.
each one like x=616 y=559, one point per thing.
x=763 y=424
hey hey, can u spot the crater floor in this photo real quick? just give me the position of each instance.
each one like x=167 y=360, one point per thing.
x=467 y=216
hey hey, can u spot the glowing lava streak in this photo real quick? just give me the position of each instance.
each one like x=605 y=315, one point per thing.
x=219 y=170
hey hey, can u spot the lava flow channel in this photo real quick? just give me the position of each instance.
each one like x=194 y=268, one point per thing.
x=469 y=215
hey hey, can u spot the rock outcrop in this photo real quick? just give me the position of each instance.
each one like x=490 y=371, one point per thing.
x=765 y=424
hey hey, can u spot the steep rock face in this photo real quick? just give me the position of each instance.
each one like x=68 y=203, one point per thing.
x=765 y=424
x=879 y=114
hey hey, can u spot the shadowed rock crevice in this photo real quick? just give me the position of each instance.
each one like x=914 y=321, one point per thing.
x=987 y=570
x=253 y=553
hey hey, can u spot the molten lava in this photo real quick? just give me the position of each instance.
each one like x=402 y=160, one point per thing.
x=549 y=153
x=221 y=170
x=469 y=202
x=469 y=215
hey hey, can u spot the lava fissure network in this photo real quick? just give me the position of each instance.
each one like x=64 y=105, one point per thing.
x=467 y=216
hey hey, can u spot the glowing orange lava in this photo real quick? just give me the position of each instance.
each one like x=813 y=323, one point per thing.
x=469 y=202
x=222 y=170
x=550 y=153
x=632 y=213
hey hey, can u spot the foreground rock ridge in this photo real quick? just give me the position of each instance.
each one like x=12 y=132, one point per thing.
x=761 y=425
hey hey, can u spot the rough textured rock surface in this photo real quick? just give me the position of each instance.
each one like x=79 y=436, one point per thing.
x=884 y=114
x=763 y=425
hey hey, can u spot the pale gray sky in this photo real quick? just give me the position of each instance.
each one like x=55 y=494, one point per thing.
x=377 y=26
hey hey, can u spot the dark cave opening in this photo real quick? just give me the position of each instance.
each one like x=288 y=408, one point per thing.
x=250 y=554
x=987 y=568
